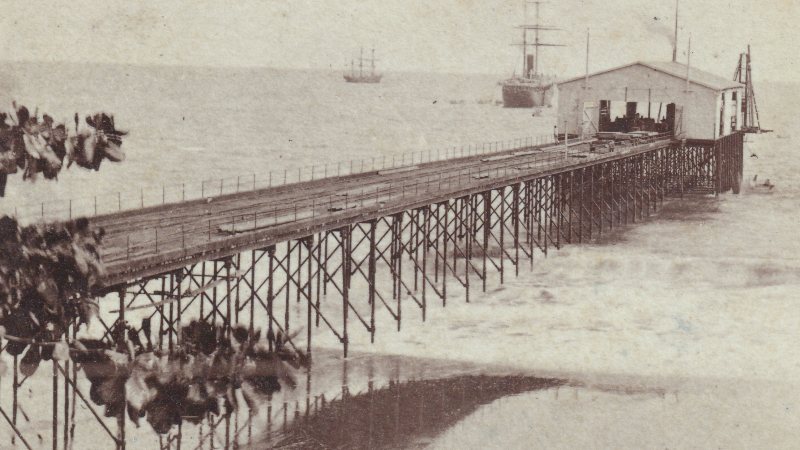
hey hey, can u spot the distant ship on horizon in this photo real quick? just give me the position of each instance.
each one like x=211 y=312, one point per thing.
x=532 y=88
x=360 y=76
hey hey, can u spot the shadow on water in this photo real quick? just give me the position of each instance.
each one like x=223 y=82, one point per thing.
x=692 y=208
x=402 y=414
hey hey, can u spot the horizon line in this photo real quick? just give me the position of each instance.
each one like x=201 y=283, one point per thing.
x=262 y=67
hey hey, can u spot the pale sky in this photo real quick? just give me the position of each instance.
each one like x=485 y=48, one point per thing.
x=471 y=36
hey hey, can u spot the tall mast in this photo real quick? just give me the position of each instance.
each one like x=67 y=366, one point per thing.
x=536 y=42
x=373 y=61
x=675 y=37
x=525 y=73
x=530 y=62
x=586 y=79
x=361 y=63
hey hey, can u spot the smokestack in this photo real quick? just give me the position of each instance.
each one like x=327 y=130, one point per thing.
x=675 y=37
x=586 y=80
x=688 y=62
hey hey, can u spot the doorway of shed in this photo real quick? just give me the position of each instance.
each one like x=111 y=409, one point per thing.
x=634 y=116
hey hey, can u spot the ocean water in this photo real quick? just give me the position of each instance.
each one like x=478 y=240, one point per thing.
x=193 y=124
x=680 y=332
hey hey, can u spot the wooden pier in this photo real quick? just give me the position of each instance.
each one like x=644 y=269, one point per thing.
x=386 y=242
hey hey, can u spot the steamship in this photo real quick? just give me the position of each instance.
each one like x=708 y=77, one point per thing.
x=532 y=88
x=360 y=76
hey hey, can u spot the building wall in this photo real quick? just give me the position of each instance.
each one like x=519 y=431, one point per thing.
x=739 y=115
x=729 y=110
x=726 y=110
x=700 y=105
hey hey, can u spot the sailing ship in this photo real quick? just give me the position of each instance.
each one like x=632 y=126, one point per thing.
x=360 y=76
x=532 y=88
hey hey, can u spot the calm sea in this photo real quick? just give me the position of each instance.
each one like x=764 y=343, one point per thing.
x=698 y=306
x=192 y=124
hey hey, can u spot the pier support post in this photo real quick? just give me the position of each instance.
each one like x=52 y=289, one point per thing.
x=178 y=306
x=346 y=268
x=371 y=280
x=123 y=336
x=228 y=318
x=581 y=205
x=501 y=221
x=397 y=259
x=515 y=216
x=309 y=244
x=270 y=296
x=54 y=434
x=322 y=242
x=444 y=238
x=487 y=223
x=423 y=272
x=287 y=287
x=468 y=236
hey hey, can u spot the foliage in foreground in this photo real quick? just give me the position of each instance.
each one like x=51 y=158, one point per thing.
x=47 y=275
x=200 y=379
x=47 y=272
x=42 y=146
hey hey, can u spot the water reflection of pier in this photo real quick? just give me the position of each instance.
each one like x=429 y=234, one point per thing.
x=398 y=414
x=367 y=399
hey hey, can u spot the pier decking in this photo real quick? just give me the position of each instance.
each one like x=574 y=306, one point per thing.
x=145 y=242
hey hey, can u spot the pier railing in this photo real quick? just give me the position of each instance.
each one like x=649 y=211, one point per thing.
x=171 y=241
x=96 y=205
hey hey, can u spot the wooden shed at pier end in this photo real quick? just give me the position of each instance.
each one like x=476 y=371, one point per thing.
x=651 y=96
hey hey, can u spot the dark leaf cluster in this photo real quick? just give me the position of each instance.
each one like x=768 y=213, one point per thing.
x=37 y=146
x=207 y=375
x=47 y=272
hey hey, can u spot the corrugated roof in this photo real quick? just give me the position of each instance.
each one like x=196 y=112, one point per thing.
x=676 y=69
